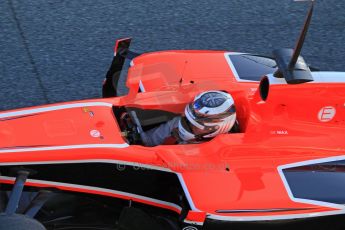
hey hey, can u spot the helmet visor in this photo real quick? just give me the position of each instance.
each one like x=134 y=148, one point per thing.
x=187 y=125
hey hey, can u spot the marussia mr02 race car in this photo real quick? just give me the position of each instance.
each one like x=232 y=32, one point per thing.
x=82 y=164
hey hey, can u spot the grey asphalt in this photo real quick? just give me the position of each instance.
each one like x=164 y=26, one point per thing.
x=59 y=50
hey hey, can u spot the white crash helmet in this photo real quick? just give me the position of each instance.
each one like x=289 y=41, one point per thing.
x=211 y=113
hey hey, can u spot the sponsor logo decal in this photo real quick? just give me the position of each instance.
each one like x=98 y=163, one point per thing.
x=95 y=133
x=87 y=110
x=326 y=113
x=279 y=132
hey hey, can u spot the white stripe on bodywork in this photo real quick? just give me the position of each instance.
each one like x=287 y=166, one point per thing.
x=116 y=192
x=65 y=147
x=52 y=108
x=319 y=77
x=141 y=86
x=194 y=222
x=308 y=201
x=186 y=191
x=232 y=67
x=275 y=217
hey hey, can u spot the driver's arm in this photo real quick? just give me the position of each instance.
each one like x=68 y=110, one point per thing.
x=158 y=135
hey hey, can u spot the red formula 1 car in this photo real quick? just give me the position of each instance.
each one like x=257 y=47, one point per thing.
x=82 y=165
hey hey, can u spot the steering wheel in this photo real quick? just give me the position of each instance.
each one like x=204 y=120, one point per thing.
x=140 y=130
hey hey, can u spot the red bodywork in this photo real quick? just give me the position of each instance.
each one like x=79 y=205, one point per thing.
x=240 y=172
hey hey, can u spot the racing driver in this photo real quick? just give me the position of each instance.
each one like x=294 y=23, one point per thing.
x=211 y=113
